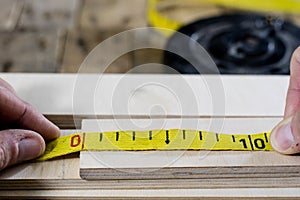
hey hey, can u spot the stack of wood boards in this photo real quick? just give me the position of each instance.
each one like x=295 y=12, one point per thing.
x=252 y=104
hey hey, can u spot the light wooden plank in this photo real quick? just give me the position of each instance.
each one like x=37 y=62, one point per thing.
x=10 y=11
x=142 y=57
x=40 y=185
x=29 y=51
x=47 y=15
x=113 y=14
x=82 y=41
x=75 y=183
x=232 y=193
x=184 y=164
x=155 y=95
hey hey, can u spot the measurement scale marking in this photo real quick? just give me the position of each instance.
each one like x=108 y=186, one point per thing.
x=161 y=141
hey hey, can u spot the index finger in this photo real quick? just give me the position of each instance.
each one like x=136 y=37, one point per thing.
x=15 y=111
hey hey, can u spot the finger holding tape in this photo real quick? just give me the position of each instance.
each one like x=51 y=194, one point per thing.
x=285 y=137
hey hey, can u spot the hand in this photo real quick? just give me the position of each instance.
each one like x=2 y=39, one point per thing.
x=285 y=137
x=23 y=130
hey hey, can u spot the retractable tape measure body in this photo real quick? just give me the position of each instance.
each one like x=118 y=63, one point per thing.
x=158 y=19
x=173 y=139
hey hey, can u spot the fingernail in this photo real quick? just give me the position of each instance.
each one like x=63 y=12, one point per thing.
x=282 y=138
x=29 y=149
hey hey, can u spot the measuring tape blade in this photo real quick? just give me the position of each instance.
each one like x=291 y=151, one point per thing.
x=174 y=139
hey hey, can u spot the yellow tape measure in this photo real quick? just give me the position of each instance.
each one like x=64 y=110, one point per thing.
x=173 y=139
x=156 y=18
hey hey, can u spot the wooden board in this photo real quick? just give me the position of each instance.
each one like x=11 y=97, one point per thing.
x=184 y=164
x=142 y=57
x=81 y=42
x=30 y=51
x=60 y=178
x=45 y=15
x=53 y=94
x=113 y=14
x=237 y=193
x=10 y=11
x=152 y=95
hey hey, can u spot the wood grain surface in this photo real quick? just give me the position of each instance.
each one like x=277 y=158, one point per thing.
x=169 y=175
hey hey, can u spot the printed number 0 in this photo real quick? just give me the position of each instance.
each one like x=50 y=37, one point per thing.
x=259 y=143
x=75 y=140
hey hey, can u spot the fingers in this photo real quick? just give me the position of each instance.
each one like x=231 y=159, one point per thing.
x=16 y=112
x=285 y=137
x=33 y=120
x=6 y=85
x=19 y=145
x=293 y=94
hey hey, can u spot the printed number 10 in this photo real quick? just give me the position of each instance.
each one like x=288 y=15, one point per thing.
x=258 y=143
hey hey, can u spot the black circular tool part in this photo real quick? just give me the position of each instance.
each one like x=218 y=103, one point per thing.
x=238 y=44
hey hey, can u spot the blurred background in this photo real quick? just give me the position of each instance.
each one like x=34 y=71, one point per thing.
x=54 y=36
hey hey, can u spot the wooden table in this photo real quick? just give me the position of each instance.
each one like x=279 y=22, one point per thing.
x=243 y=104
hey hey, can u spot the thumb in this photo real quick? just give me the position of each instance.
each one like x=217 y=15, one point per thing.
x=285 y=137
x=19 y=145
